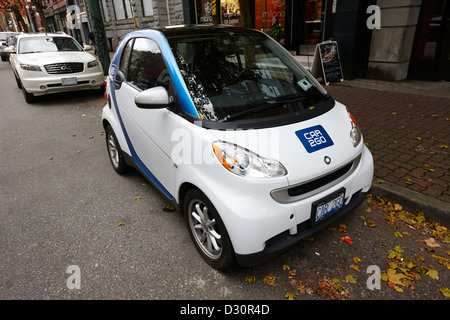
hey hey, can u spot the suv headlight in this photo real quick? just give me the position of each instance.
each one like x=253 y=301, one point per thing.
x=92 y=64
x=30 y=67
x=245 y=163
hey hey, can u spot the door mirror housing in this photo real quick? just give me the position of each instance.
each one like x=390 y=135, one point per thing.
x=153 y=98
x=9 y=50
x=119 y=79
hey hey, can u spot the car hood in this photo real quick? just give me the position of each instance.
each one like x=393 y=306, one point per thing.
x=43 y=58
x=290 y=146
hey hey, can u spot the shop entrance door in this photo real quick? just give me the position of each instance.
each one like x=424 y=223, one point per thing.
x=430 y=58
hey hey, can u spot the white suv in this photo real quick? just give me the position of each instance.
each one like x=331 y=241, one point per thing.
x=46 y=63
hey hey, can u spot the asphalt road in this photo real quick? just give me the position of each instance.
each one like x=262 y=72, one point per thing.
x=62 y=205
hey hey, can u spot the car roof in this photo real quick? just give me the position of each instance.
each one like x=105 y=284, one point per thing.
x=183 y=30
x=44 y=34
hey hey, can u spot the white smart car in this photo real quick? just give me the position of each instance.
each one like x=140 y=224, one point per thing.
x=237 y=134
x=46 y=63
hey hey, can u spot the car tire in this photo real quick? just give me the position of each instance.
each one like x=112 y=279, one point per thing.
x=115 y=153
x=29 y=97
x=207 y=231
x=19 y=84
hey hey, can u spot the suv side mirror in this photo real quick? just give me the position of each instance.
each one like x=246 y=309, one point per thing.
x=153 y=98
x=9 y=50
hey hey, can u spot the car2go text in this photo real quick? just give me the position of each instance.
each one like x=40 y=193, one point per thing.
x=223 y=86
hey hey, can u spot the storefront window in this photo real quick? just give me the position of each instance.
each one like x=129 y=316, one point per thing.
x=270 y=17
x=313 y=18
x=229 y=12
x=206 y=11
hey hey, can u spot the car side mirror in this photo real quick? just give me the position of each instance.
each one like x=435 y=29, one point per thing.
x=153 y=98
x=9 y=50
x=118 y=79
x=87 y=47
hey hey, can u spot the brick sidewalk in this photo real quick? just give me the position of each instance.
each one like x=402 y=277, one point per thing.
x=408 y=135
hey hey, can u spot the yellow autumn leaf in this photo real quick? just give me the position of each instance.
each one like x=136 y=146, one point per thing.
x=445 y=291
x=137 y=198
x=250 y=279
x=433 y=274
x=419 y=138
x=398 y=234
x=121 y=224
x=443 y=146
x=289 y=296
x=350 y=278
x=286 y=267
x=357 y=259
x=269 y=279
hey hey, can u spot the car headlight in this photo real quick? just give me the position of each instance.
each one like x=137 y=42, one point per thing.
x=245 y=163
x=30 y=67
x=92 y=64
x=355 y=133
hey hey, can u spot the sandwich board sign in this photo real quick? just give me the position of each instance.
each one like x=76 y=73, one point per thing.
x=326 y=62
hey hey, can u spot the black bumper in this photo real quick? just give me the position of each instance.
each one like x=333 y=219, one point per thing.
x=283 y=241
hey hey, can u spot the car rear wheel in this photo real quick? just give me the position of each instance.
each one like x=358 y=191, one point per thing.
x=115 y=152
x=208 y=231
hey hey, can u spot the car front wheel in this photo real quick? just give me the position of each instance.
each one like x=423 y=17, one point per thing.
x=208 y=231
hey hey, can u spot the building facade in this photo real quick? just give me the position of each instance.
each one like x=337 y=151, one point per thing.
x=411 y=40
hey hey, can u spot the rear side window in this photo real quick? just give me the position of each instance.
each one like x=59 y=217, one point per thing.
x=146 y=65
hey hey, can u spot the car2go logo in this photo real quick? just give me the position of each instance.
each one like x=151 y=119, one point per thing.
x=314 y=138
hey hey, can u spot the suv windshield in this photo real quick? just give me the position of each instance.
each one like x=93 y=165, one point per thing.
x=48 y=44
x=242 y=75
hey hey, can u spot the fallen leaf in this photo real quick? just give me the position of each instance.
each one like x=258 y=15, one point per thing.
x=431 y=242
x=286 y=267
x=121 y=224
x=357 y=259
x=269 y=279
x=433 y=274
x=137 y=198
x=347 y=240
x=352 y=266
x=445 y=291
x=350 y=278
x=292 y=272
x=289 y=296
x=250 y=279
x=398 y=234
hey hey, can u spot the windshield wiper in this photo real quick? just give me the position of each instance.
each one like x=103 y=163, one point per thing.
x=267 y=104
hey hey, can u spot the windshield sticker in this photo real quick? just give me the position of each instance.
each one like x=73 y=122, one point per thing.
x=314 y=138
x=304 y=84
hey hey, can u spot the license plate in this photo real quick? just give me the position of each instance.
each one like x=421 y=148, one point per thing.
x=69 y=81
x=327 y=206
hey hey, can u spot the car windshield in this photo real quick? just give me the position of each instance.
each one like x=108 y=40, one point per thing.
x=242 y=75
x=48 y=44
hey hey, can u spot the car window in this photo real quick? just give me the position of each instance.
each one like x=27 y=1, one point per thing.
x=48 y=44
x=125 y=59
x=147 y=68
x=242 y=76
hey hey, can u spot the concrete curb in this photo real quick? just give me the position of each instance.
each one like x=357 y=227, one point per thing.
x=411 y=200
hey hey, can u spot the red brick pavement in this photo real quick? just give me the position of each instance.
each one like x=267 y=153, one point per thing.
x=408 y=135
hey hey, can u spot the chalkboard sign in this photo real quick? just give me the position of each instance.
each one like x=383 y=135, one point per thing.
x=327 y=62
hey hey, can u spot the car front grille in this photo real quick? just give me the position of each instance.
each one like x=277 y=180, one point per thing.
x=62 y=68
x=307 y=189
